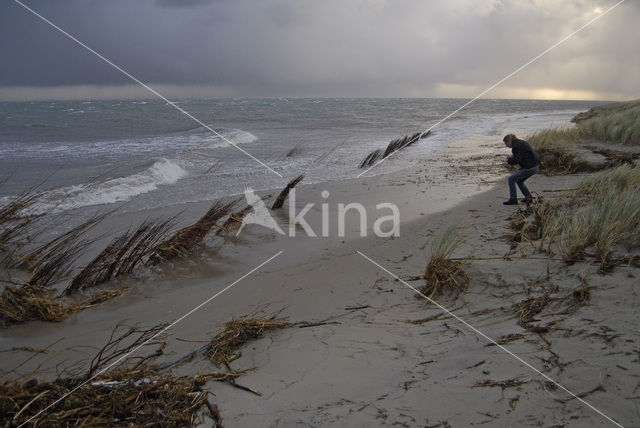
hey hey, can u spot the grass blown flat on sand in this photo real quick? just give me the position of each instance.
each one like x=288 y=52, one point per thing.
x=27 y=303
x=236 y=333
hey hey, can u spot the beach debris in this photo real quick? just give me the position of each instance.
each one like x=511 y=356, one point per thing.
x=29 y=303
x=30 y=349
x=515 y=382
x=120 y=398
x=528 y=308
x=122 y=255
x=125 y=338
x=444 y=274
x=507 y=338
x=279 y=202
x=392 y=147
x=183 y=241
x=139 y=394
x=616 y=157
x=236 y=333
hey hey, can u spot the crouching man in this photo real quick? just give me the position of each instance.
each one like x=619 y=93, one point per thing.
x=527 y=158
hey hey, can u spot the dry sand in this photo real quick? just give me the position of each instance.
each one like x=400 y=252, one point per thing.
x=369 y=366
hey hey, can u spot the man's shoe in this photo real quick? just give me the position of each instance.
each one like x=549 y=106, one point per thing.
x=511 y=202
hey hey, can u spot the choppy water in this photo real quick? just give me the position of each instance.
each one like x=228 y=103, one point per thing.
x=146 y=152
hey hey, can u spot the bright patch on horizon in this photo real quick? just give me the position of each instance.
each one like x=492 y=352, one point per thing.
x=597 y=10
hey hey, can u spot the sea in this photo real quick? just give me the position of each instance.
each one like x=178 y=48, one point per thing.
x=146 y=154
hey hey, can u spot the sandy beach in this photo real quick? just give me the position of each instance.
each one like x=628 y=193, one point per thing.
x=369 y=351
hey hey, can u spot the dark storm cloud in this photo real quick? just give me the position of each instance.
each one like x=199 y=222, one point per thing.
x=328 y=48
x=182 y=3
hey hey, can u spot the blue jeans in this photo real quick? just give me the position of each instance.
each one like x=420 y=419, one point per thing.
x=519 y=178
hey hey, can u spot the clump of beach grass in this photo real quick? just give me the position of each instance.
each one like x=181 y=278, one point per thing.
x=604 y=210
x=181 y=243
x=393 y=146
x=279 y=202
x=444 y=274
x=122 y=255
x=236 y=333
x=29 y=303
x=617 y=122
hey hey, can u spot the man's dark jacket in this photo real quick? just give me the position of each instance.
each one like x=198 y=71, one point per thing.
x=523 y=155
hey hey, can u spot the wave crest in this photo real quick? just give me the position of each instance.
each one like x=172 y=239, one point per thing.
x=120 y=189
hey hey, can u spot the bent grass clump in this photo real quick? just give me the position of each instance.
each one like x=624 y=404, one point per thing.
x=279 y=202
x=183 y=241
x=236 y=333
x=28 y=303
x=122 y=255
x=393 y=146
x=443 y=274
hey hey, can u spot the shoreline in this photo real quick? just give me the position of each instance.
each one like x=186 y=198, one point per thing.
x=372 y=367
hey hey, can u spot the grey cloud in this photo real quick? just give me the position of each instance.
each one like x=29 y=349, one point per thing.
x=328 y=48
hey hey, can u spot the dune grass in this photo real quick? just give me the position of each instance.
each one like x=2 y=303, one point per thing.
x=616 y=122
x=444 y=274
x=603 y=211
x=557 y=150
x=612 y=123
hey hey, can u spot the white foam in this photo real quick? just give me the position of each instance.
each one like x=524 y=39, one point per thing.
x=121 y=189
x=236 y=136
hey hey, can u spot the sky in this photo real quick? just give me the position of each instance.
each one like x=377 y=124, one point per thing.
x=320 y=48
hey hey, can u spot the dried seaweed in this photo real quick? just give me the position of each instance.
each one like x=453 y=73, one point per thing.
x=528 y=308
x=507 y=338
x=504 y=384
x=279 y=202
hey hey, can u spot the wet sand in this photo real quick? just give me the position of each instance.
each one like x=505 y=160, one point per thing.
x=369 y=366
